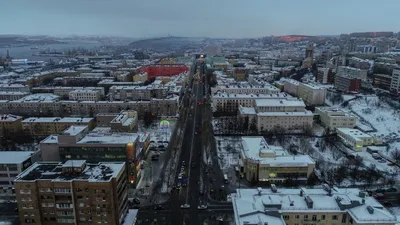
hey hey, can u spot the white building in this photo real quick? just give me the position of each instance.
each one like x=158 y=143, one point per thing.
x=13 y=163
x=312 y=94
x=246 y=89
x=291 y=86
x=328 y=206
x=280 y=105
x=395 y=83
x=12 y=95
x=352 y=72
x=263 y=162
x=84 y=95
x=14 y=87
x=356 y=139
x=332 y=118
x=287 y=120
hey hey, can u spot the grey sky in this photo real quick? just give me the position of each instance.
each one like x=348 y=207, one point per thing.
x=212 y=18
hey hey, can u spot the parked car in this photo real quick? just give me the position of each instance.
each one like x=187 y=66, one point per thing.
x=378 y=196
x=202 y=207
x=392 y=189
x=185 y=206
x=387 y=204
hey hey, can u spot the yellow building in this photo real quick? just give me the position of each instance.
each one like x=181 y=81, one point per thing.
x=320 y=206
x=263 y=162
x=140 y=77
x=10 y=123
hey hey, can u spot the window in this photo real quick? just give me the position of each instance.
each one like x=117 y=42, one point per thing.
x=297 y=216
x=314 y=218
x=305 y=217
x=286 y=217
x=323 y=217
x=334 y=217
x=25 y=191
x=62 y=190
x=344 y=218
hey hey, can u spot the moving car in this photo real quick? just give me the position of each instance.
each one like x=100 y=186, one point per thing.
x=185 y=206
x=202 y=207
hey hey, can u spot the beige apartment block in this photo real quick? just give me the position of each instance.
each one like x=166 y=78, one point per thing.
x=288 y=120
x=10 y=123
x=356 y=139
x=312 y=94
x=45 y=126
x=84 y=95
x=75 y=192
x=318 y=206
x=332 y=118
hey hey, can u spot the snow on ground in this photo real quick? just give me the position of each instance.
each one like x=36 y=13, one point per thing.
x=394 y=210
x=156 y=134
x=382 y=166
x=228 y=149
x=381 y=116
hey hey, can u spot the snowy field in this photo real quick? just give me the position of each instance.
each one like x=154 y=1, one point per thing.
x=381 y=116
x=156 y=134
x=228 y=149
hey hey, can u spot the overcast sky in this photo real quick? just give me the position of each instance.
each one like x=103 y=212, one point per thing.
x=211 y=18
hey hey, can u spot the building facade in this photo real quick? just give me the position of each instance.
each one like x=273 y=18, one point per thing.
x=356 y=139
x=267 y=121
x=382 y=81
x=85 y=95
x=347 y=83
x=353 y=72
x=164 y=69
x=332 y=118
x=395 y=83
x=312 y=94
x=75 y=192
x=10 y=124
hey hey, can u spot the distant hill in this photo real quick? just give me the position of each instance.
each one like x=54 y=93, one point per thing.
x=168 y=43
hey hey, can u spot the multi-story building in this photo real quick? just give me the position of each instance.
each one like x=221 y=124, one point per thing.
x=312 y=94
x=12 y=95
x=263 y=162
x=395 y=83
x=280 y=105
x=347 y=83
x=64 y=91
x=140 y=77
x=326 y=205
x=75 y=192
x=246 y=89
x=99 y=145
x=38 y=107
x=134 y=93
x=382 y=81
x=84 y=95
x=356 y=139
x=291 y=86
x=359 y=63
x=126 y=121
x=14 y=87
x=225 y=102
x=164 y=69
x=267 y=121
x=332 y=118
x=45 y=126
x=10 y=124
x=13 y=163
x=352 y=72
x=325 y=76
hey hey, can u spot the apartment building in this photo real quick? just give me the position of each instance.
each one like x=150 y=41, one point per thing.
x=74 y=192
x=312 y=94
x=332 y=118
x=14 y=87
x=10 y=124
x=13 y=163
x=225 y=102
x=134 y=93
x=382 y=81
x=353 y=72
x=359 y=63
x=291 y=86
x=45 y=126
x=64 y=91
x=263 y=162
x=267 y=121
x=246 y=89
x=356 y=139
x=325 y=76
x=347 y=84
x=166 y=107
x=395 y=83
x=12 y=95
x=326 y=205
x=126 y=121
x=84 y=95
x=102 y=144
x=140 y=77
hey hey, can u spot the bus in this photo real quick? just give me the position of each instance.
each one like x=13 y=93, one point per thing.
x=225 y=178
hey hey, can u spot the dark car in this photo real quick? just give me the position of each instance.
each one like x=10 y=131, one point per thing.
x=158 y=207
x=388 y=204
x=392 y=189
x=193 y=164
x=136 y=201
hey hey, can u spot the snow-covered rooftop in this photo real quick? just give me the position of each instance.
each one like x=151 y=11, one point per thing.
x=104 y=135
x=39 y=97
x=305 y=113
x=9 y=118
x=57 y=120
x=284 y=102
x=14 y=157
x=253 y=96
x=354 y=133
x=261 y=205
x=100 y=172
x=74 y=130
x=257 y=149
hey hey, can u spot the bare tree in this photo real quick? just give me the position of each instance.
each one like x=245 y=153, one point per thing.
x=395 y=154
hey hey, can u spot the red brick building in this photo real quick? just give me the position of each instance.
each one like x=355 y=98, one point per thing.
x=164 y=69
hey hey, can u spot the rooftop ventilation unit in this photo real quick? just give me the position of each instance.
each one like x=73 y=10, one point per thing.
x=370 y=209
x=273 y=188
x=259 y=190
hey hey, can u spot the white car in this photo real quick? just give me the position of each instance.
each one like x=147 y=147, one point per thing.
x=185 y=206
x=202 y=207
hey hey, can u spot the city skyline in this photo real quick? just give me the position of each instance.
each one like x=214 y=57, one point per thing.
x=230 y=19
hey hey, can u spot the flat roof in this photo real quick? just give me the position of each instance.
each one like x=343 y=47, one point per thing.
x=100 y=172
x=285 y=102
x=39 y=97
x=254 y=146
x=305 y=113
x=14 y=157
x=57 y=120
x=52 y=139
x=354 y=133
x=220 y=94
x=252 y=204
x=9 y=117
x=104 y=135
x=74 y=130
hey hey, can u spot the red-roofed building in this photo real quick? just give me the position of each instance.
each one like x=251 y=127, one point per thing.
x=164 y=69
